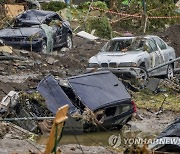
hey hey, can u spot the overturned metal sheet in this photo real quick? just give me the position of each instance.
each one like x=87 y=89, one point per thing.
x=172 y=130
x=99 y=89
x=169 y=139
x=53 y=94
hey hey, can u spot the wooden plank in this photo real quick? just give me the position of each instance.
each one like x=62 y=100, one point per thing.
x=56 y=129
x=13 y=10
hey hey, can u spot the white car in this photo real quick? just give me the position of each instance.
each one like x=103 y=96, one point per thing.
x=135 y=56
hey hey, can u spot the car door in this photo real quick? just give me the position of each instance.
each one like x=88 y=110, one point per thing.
x=155 y=56
x=56 y=24
x=164 y=52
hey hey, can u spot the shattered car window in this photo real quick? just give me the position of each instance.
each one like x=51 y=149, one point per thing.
x=116 y=45
x=124 y=45
x=137 y=44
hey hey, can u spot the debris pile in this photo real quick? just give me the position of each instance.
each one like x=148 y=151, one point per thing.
x=30 y=67
x=24 y=105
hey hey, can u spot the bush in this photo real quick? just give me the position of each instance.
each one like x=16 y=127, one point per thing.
x=101 y=25
x=53 y=6
x=154 y=8
x=98 y=4
x=165 y=8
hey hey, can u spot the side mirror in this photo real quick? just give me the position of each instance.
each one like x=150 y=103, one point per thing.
x=146 y=48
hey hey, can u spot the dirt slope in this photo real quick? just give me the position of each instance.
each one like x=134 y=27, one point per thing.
x=172 y=35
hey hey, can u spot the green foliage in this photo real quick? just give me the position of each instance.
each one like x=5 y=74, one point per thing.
x=161 y=8
x=101 y=25
x=53 y=6
x=154 y=8
x=98 y=4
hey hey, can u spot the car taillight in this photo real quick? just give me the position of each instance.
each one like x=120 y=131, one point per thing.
x=134 y=106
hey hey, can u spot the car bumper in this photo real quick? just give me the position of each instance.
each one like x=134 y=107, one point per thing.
x=132 y=71
x=34 y=45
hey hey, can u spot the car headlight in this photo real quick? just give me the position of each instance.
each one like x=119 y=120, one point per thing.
x=36 y=36
x=92 y=65
x=127 y=64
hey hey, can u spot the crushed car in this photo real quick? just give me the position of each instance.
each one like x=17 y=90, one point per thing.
x=101 y=96
x=38 y=30
x=169 y=139
x=133 y=56
x=97 y=101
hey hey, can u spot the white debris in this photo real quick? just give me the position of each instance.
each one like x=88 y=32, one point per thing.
x=10 y=99
x=87 y=35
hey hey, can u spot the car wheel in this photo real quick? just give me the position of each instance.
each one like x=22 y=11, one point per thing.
x=170 y=72
x=69 y=42
x=143 y=76
x=44 y=47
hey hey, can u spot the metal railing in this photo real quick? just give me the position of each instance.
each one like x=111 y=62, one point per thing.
x=164 y=64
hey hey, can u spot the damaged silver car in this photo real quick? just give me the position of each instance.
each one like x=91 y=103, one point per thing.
x=133 y=56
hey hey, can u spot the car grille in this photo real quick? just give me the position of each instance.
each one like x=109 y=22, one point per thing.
x=112 y=65
x=104 y=64
x=15 y=39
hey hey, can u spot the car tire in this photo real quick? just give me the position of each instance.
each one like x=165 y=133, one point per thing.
x=44 y=47
x=143 y=76
x=69 y=42
x=170 y=72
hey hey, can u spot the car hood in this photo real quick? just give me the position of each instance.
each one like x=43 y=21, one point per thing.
x=88 y=87
x=106 y=57
x=19 y=32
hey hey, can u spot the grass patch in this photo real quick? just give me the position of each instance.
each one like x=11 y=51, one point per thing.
x=147 y=99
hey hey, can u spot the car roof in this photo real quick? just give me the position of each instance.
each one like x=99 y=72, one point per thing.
x=35 y=16
x=132 y=37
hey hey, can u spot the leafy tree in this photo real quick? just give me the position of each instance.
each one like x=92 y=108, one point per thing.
x=154 y=8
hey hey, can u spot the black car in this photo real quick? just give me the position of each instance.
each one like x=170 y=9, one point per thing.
x=27 y=31
x=99 y=94
x=169 y=139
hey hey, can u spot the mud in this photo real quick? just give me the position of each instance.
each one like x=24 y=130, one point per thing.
x=146 y=124
x=22 y=75
x=172 y=36
x=60 y=63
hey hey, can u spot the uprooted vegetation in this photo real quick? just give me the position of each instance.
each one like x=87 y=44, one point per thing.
x=87 y=16
x=154 y=9
x=53 y=6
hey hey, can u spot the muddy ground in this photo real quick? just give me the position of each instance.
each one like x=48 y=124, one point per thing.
x=146 y=125
x=172 y=36
x=60 y=63
x=21 y=75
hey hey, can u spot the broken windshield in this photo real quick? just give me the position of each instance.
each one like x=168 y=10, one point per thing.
x=124 y=45
x=116 y=45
